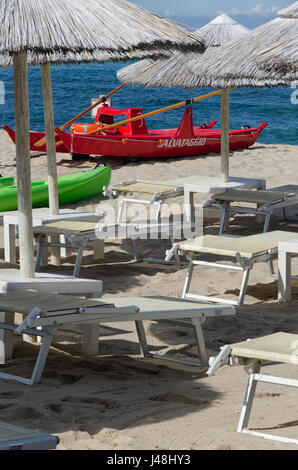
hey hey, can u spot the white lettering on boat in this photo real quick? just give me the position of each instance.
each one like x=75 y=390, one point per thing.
x=174 y=143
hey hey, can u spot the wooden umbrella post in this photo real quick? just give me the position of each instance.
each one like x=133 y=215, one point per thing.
x=225 y=140
x=50 y=138
x=23 y=164
x=51 y=151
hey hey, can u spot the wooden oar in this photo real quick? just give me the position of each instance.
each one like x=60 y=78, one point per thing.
x=153 y=113
x=42 y=141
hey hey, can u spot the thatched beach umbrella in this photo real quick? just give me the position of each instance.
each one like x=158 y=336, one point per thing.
x=235 y=64
x=282 y=58
x=173 y=72
x=62 y=27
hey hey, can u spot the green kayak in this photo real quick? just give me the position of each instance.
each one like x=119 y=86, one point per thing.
x=71 y=188
x=6 y=181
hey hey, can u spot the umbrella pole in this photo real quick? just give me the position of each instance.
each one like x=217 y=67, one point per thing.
x=225 y=140
x=22 y=127
x=50 y=138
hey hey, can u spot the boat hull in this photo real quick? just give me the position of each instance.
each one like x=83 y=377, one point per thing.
x=34 y=138
x=71 y=188
x=202 y=142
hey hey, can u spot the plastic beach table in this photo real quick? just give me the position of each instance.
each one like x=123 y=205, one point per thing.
x=42 y=216
x=286 y=250
x=19 y=438
x=11 y=280
x=212 y=185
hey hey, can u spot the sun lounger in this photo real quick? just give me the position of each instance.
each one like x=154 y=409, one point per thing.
x=44 y=314
x=244 y=251
x=266 y=202
x=275 y=348
x=78 y=236
x=19 y=438
x=159 y=192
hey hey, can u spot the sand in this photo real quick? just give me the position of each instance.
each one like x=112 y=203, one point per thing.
x=119 y=400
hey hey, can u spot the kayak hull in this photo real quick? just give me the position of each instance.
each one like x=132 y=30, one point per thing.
x=71 y=188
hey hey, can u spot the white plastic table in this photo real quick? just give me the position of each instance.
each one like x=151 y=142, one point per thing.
x=285 y=252
x=212 y=185
x=10 y=280
x=41 y=217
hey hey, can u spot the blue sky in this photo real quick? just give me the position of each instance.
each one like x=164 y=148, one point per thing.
x=250 y=13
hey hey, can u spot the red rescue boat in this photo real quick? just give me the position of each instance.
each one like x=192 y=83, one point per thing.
x=34 y=138
x=134 y=140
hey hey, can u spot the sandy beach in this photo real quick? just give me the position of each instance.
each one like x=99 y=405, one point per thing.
x=119 y=400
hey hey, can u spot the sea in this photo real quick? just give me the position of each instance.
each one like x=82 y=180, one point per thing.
x=75 y=85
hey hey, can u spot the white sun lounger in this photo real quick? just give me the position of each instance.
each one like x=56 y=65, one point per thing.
x=275 y=348
x=159 y=192
x=266 y=202
x=19 y=438
x=78 y=236
x=46 y=313
x=244 y=251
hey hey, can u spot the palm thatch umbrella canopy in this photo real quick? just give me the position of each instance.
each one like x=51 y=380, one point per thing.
x=87 y=25
x=221 y=30
x=94 y=28
x=235 y=64
x=282 y=59
x=172 y=72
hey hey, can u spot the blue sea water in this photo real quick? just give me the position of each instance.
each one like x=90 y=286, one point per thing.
x=75 y=85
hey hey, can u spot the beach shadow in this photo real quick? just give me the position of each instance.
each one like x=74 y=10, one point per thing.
x=89 y=395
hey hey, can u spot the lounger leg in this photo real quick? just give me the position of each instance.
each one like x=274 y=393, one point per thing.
x=135 y=251
x=197 y=323
x=243 y=286
x=224 y=219
x=248 y=399
x=6 y=338
x=121 y=209
x=267 y=222
x=271 y=268
x=43 y=355
x=78 y=261
x=188 y=279
x=142 y=338
x=38 y=254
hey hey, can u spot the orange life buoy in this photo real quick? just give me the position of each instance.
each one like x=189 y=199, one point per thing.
x=83 y=128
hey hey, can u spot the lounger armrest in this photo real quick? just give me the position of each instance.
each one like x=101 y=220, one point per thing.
x=36 y=312
x=221 y=359
x=209 y=203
